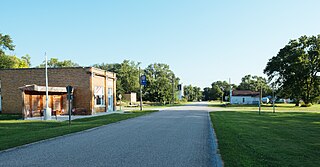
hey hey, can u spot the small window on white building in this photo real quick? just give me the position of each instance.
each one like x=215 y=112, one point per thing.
x=243 y=100
x=99 y=99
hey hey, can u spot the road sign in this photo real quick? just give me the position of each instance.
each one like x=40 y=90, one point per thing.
x=143 y=80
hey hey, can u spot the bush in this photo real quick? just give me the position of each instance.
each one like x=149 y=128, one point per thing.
x=183 y=100
x=306 y=105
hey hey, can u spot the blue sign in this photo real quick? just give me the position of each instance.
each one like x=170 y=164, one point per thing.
x=143 y=80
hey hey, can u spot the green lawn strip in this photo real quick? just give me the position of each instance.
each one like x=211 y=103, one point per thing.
x=269 y=139
x=266 y=107
x=19 y=132
x=10 y=116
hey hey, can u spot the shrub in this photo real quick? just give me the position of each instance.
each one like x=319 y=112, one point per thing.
x=306 y=105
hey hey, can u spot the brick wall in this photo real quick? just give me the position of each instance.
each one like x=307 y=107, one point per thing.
x=12 y=79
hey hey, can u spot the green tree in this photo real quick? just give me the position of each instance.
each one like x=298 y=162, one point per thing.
x=216 y=92
x=254 y=83
x=6 y=43
x=7 y=61
x=109 y=67
x=188 y=92
x=27 y=59
x=160 y=83
x=206 y=94
x=127 y=75
x=295 y=69
x=192 y=93
x=224 y=87
x=55 y=63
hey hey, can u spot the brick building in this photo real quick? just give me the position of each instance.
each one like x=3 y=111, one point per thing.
x=23 y=90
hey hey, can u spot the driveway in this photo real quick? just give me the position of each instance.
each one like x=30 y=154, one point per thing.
x=179 y=136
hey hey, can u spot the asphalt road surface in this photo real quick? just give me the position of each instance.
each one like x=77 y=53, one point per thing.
x=178 y=136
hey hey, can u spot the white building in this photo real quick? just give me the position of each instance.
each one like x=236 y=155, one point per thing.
x=244 y=97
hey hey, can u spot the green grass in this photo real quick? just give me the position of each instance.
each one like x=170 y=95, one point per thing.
x=267 y=107
x=19 y=132
x=10 y=116
x=269 y=139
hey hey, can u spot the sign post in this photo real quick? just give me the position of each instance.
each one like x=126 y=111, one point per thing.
x=143 y=81
x=120 y=96
x=69 y=97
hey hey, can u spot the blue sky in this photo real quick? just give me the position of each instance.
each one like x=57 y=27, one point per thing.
x=203 y=41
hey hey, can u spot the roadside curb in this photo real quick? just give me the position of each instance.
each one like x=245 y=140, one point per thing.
x=216 y=156
x=69 y=134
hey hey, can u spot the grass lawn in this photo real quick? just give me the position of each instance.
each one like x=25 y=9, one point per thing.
x=269 y=139
x=268 y=107
x=10 y=116
x=19 y=132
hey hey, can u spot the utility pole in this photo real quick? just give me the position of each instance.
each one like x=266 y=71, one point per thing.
x=173 y=89
x=140 y=90
x=273 y=99
x=230 y=94
x=260 y=99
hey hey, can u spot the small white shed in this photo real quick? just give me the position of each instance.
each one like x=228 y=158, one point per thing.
x=244 y=97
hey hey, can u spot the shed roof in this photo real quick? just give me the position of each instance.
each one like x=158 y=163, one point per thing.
x=245 y=93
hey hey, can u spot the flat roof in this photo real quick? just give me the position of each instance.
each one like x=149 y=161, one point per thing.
x=36 y=88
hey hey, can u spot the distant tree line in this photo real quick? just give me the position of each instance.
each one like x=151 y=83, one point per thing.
x=161 y=81
x=221 y=89
x=192 y=93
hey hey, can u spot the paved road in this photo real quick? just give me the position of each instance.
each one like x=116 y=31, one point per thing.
x=176 y=137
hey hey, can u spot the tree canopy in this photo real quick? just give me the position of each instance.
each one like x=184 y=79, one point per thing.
x=6 y=43
x=55 y=63
x=295 y=68
x=11 y=61
x=7 y=61
x=218 y=90
x=161 y=83
x=192 y=93
x=127 y=75
x=254 y=83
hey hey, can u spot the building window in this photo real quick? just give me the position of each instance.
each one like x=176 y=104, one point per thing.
x=99 y=96
x=242 y=100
